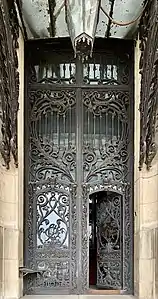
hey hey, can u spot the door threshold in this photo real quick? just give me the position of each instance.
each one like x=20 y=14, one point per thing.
x=94 y=291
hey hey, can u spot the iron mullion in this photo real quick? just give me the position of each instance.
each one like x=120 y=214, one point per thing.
x=79 y=172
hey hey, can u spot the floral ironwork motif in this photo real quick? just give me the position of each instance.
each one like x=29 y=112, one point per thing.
x=80 y=142
x=106 y=166
x=148 y=32
x=106 y=135
x=9 y=87
x=52 y=177
x=109 y=223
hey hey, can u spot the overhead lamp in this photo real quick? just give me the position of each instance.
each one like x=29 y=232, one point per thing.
x=82 y=19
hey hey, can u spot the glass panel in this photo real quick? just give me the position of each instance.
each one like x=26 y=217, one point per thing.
x=52 y=170
x=105 y=133
x=52 y=219
x=102 y=119
x=105 y=70
x=52 y=68
x=56 y=73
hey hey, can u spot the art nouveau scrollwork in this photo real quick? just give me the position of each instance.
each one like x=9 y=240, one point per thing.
x=79 y=136
x=106 y=161
x=149 y=83
x=9 y=87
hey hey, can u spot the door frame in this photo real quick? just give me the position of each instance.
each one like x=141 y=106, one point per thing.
x=82 y=275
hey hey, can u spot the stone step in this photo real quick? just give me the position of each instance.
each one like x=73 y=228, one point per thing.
x=79 y=297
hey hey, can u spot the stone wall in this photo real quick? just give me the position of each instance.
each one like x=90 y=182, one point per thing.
x=146 y=212
x=136 y=170
x=11 y=207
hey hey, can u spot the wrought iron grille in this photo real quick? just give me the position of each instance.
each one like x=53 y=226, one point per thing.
x=109 y=241
x=79 y=139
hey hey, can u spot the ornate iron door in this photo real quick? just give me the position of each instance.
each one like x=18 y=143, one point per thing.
x=78 y=141
x=109 y=241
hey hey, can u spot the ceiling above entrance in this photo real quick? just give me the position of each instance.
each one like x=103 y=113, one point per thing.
x=46 y=18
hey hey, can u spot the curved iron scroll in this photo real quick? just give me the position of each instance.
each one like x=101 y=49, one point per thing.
x=149 y=83
x=9 y=85
x=109 y=240
x=79 y=136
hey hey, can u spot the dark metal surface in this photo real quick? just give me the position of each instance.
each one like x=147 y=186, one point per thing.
x=149 y=83
x=109 y=241
x=9 y=85
x=79 y=141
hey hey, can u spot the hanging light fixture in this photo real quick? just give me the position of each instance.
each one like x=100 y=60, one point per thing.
x=82 y=18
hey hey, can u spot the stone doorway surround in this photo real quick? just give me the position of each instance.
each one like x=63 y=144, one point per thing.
x=145 y=212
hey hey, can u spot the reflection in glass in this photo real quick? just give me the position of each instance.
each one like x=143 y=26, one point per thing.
x=98 y=129
x=56 y=73
x=97 y=73
x=57 y=129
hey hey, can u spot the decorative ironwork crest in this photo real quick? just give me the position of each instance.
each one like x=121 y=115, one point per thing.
x=9 y=87
x=83 y=31
x=149 y=83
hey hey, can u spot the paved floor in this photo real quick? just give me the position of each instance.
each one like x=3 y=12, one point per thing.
x=80 y=297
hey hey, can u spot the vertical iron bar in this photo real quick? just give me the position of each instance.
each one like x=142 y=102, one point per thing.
x=88 y=133
x=64 y=70
x=40 y=125
x=88 y=70
x=112 y=71
x=94 y=70
x=52 y=128
x=64 y=129
x=118 y=122
x=100 y=130
x=70 y=124
x=94 y=130
x=45 y=117
x=44 y=126
x=112 y=127
x=48 y=126
x=70 y=70
x=52 y=69
x=58 y=131
x=106 y=125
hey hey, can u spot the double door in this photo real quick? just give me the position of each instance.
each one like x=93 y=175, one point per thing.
x=79 y=130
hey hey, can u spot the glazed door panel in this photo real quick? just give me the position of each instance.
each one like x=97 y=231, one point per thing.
x=79 y=126
x=51 y=188
x=51 y=180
